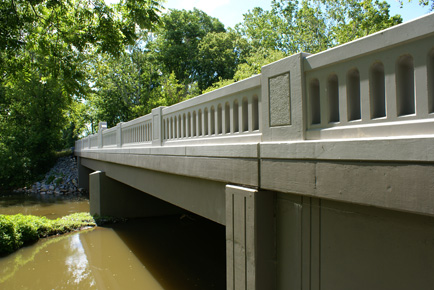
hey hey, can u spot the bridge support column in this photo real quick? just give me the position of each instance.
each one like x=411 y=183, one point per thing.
x=250 y=238
x=83 y=175
x=109 y=197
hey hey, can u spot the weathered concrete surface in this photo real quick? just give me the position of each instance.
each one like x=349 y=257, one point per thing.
x=203 y=197
x=402 y=149
x=292 y=126
x=399 y=186
x=330 y=245
x=230 y=170
x=83 y=175
x=109 y=197
x=250 y=238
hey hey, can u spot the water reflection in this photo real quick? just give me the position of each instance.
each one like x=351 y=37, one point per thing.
x=153 y=253
x=77 y=263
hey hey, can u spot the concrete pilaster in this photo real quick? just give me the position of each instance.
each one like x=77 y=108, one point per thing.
x=283 y=103
x=101 y=127
x=250 y=239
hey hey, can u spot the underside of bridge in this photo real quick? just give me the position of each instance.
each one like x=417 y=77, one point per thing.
x=288 y=240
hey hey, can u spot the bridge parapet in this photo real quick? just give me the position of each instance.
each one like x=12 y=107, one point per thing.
x=378 y=86
x=136 y=132
x=230 y=114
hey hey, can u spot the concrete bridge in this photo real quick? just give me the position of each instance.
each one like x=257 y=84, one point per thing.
x=321 y=167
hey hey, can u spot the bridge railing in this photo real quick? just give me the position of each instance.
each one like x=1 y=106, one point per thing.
x=137 y=131
x=109 y=137
x=227 y=114
x=93 y=141
x=381 y=85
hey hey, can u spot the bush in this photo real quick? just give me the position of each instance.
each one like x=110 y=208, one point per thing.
x=20 y=230
x=9 y=238
x=27 y=227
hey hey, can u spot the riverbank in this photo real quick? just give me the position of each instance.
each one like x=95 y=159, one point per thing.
x=62 y=179
x=20 y=230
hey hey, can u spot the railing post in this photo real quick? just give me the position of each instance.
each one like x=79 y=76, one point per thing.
x=157 y=128
x=78 y=145
x=101 y=127
x=119 y=134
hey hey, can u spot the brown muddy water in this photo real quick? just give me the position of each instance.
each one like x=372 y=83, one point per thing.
x=50 y=206
x=173 y=252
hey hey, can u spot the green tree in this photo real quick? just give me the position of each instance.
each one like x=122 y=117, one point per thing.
x=45 y=50
x=177 y=44
x=117 y=88
x=307 y=26
x=255 y=61
x=314 y=25
x=219 y=55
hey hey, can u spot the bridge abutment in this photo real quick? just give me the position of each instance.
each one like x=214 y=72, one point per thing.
x=324 y=244
x=109 y=197
x=250 y=231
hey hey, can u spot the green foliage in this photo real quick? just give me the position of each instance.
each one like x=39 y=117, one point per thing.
x=66 y=65
x=307 y=26
x=27 y=228
x=63 y=153
x=314 y=25
x=217 y=85
x=46 y=49
x=188 y=53
x=220 y=54
x=104 y=220
x=20 y=230
x=122 y=87
x=429 y=3
x=177 y=44
x=255 y=61
x=8 y=236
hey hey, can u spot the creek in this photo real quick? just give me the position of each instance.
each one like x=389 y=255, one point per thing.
x=172 y=252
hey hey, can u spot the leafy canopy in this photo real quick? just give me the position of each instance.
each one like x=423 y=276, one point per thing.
x=46 y=52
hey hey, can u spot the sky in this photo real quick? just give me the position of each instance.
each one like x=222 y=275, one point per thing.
x=230 y=12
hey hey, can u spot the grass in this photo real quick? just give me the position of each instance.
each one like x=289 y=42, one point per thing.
x=20 y=230
x=63 y=153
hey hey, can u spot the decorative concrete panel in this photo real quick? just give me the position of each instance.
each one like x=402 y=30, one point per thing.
x=280 y=100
